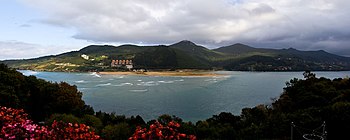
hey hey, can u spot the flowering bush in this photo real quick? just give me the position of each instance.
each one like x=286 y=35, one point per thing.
x=61 y=130
x=158 y=131
x=14 y=124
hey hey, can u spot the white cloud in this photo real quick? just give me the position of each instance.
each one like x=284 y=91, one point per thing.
x=213 y=22
x=21 y=50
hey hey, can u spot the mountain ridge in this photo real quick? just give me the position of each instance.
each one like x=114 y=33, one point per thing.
x=187 y=55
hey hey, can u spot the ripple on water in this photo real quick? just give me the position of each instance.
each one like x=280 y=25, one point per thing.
x=166 y=82
x=95 y=74
x=28 y=73
x=102 y=85
x=80 y=81
x=123 y=84
x=149 y=83
x=139 y=90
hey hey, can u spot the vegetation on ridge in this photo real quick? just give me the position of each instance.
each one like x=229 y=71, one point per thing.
x=186 y=55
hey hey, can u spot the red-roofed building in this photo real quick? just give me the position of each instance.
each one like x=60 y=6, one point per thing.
x=122 y=64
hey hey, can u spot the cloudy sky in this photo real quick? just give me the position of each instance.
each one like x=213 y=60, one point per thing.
x=31 y=28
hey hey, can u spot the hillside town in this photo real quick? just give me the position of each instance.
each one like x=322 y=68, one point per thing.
x=122 y=64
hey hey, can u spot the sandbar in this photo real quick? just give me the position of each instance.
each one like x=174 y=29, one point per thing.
x=165 y=73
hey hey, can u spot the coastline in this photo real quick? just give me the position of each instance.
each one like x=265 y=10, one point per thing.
x=166 y=73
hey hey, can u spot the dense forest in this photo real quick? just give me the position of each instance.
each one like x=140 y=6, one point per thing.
x=308 y=103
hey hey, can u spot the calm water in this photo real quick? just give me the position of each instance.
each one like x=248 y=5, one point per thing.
x=191 y=98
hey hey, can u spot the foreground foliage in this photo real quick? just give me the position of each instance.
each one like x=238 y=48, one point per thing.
x=14 y=124
x=38 y=97
x=159 y=131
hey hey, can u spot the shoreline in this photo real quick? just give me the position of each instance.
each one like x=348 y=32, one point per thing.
x=166 y=73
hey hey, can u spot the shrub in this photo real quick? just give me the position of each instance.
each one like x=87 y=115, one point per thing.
x=14 y=124
x=158 y=131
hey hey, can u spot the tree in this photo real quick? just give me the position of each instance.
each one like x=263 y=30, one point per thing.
x=309 y=75
x=38 y=97
x=116 y=132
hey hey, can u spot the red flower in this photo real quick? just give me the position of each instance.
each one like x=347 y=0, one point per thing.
x=158 y=131
x=15 y=125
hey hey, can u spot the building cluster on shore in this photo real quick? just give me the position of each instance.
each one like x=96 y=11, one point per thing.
x=128 y=64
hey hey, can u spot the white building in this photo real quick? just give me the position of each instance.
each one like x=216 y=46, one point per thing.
x=84 y=56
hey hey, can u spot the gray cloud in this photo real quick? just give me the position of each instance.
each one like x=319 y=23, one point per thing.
x=17 y=50
x=311 y=24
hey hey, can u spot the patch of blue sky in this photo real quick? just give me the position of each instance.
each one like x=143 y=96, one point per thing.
x=25 y=24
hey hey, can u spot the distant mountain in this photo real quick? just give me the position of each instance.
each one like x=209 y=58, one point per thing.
x=238 y=48
x=190 y=54
x=186 y=55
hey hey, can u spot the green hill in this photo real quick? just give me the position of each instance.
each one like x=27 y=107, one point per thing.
x=238 y=49
x=190 y=55
x=186 y=55
x=243 y=57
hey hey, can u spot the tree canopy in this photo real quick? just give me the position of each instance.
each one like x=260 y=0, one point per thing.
x=38 y=97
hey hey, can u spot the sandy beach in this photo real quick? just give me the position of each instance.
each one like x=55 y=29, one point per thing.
x=165 y=73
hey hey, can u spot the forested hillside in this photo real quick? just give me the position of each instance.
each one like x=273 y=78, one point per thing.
x=186 y=55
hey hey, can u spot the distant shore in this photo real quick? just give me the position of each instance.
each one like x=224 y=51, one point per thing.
x=166 y=73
